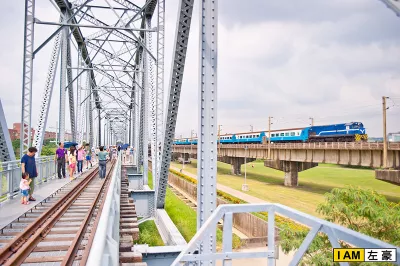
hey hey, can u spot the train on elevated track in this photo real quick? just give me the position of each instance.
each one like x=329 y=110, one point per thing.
x=345 y=132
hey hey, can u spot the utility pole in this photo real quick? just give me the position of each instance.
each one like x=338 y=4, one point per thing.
x=183 y=156
x=312 y=121
x=191 y=143
x=219 y=138
x=269 y=137
x=245 y=187
x=385 y=143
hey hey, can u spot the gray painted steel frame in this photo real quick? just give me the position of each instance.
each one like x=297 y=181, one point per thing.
x=63 y=81
x=71 y=91
x=335 y=233
x=27 y=74
x=160 y=89
x=178 y=67
x=207 y=137
x=6 y=148
x=46 y=100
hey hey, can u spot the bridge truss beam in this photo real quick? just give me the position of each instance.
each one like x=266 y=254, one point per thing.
x=178 y=67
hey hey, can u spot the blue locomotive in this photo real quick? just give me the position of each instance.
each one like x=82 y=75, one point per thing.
x=346 y=132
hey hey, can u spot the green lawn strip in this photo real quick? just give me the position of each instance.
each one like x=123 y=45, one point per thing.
x=150 y=182
x=149 y=234
x=267 y=184
x=185 y=219
x=279 y=220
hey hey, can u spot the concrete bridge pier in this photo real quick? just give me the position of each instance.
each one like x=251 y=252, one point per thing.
x=235 y=162
x=291 y=170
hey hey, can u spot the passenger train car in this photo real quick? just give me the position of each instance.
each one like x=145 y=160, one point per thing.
x=347 y=132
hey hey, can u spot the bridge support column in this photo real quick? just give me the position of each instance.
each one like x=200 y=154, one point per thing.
x=291 y=174
x=235 y=162
x=291 y=170
x=391 y=176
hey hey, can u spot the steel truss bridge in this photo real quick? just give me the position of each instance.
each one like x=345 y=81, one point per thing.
x=111 y=59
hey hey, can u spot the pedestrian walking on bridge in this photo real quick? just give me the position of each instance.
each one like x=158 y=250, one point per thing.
x=61 y=153
x=102 y=162
x=28 y=165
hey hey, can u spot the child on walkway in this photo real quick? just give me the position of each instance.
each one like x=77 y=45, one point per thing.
x=24 y=186
x=72 y=163
x=88 y=160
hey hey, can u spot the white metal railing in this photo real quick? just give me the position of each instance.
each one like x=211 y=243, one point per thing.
x=334 y=232
x=310 y=146
x=105 y=247
x=10 y=175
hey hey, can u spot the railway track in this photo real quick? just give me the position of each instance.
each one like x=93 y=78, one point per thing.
x=59 y=231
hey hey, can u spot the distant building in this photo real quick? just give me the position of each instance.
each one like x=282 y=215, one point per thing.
x=394 y=137
x=15 y=133
x=372 y=139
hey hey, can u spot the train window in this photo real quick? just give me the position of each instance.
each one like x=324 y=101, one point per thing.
x=298 y=133
x=282 y=134
x=292 y=134
x=286 y=134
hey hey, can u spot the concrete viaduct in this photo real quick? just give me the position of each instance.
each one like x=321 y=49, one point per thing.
x=292 y=158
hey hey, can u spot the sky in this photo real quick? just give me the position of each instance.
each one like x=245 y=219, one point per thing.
x=292 y=60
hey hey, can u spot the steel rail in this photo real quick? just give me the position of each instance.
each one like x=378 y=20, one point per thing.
x=70 y=257
x=23 y=244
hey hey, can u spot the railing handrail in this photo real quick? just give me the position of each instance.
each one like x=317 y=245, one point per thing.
x=105 y=247
x=10 y=174
x=334 y=232
x=308 y=145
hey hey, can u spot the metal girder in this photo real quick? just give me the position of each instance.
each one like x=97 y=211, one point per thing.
x=128 y=4
x=91 y=133
x=76 y=32
x=108 y=54
x=141 y=112
x=27 y=71
x=98 y=22
x=46 y=99
x=120 y=52
x=160 y=87
x=71 y=91
x=83 y=112
x=178 y=67
x=111 y=77
x=79 y=113
x=118 y=33
x=63 y=81
x=207 y=137
x=394 y=5
x=146 y=108
x=153 y=113
x=150 y=7
x=6 y=148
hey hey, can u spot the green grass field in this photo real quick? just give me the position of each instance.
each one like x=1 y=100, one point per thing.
x=149 y=234
x=185 y=219
x=150 y=177
x=266 y=183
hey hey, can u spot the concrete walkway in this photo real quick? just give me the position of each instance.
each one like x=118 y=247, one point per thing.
x=226 y=189
x=12 y=209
